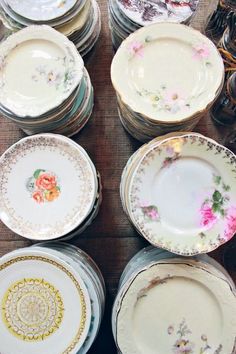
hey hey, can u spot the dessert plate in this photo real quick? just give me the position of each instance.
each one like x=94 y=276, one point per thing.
x=152 y=318
x=41 y=10
x=182 y=195
x=47 y=66
x=45 y=304
x=146 y=80
x=52 y=179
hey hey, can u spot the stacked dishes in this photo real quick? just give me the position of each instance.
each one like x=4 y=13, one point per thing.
x=169 y=304
x=56 y=182
x=179 y=192
x=44 y=85
x=79 y=20
x=52 y=300
x=125 y=17
x=166 y=77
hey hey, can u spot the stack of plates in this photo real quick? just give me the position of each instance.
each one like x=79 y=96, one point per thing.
x=55 y=181
x=179 y=192
x=168 y=304
x=127 y=16
x=166 y=77
x=79 y=20
x=52 y=300
x=52 y=91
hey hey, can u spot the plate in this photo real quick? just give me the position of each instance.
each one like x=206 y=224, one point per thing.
x=41 y=10
x=182 y=195
x=205 y=324
x=44 y=303
x=50 y=70
x=170 y=93
x=147 y=12
x=55 y=183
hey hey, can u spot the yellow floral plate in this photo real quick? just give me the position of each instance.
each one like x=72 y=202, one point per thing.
x=45 y=305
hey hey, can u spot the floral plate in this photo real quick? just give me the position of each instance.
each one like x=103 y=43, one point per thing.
x=182 y=195
x=152 y=317
x=145 y=78
x=55 y=183
x=149 y=11
x=50 y=70
x=45 y=305
x=41 y=10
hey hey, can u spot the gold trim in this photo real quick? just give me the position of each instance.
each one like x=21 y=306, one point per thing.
x=75 y=341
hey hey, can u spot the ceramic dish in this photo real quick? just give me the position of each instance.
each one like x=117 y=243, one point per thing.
x=178 y=95
x=51 y=172
x=154 y=297
x=45 y=304
x=50 y=70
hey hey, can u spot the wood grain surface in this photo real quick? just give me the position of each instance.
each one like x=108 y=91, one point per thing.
x=110 y=240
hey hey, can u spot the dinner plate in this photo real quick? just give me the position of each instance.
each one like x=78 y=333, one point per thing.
x=44 y=303
x=182 y=195
x=50 y=70
x=55 y=183
x=148 y=11
x=41 y=10
x=146 y=80
x=152 y=317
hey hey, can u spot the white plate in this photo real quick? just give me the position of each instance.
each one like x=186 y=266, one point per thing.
x=55 y=183
x=175 y=309
x=182 y=195
x=41 y=10
x=45 y=305
x=47 y=66
x=146 y=80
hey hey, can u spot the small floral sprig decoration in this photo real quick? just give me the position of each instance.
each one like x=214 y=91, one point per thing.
x=150 y=211
x=43 y=186
x=182 y=344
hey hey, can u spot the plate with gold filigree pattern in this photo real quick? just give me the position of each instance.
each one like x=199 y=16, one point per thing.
x=45 y=305
x=47 y=188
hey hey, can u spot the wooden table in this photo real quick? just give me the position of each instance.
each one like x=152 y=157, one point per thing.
x=110 y=240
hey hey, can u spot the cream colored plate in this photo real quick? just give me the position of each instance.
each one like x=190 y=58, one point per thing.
x=47 y=67
x=167 y=72
x=175 y=309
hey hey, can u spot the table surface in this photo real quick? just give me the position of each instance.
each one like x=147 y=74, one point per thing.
x=110 y=240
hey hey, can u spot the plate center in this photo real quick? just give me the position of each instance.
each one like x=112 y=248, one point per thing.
x=180 y=188
x=178 y=314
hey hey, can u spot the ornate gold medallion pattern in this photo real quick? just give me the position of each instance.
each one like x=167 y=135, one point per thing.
x=32 y=309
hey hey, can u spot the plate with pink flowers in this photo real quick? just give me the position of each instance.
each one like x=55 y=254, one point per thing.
x=167 y=72
x=182 y=194
x=47 y=186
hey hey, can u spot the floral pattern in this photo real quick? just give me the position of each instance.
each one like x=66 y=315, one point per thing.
x=150 y=211
x=43 y=186
x=183 y=345
x=214 y=206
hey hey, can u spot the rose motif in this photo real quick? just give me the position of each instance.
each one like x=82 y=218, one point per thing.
x=46 y=181
x=52 y=194
x=38 y=196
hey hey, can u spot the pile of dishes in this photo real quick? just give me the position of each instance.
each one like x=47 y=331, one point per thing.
x=179 y=192
x=52 y=300
x=79 y=20
x=166 y=77
x=169 y=304
x=127 y=16
x=44 y=84
x=55 y=181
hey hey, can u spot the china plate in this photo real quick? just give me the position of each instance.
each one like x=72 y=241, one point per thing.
x=182 y=195
x=41 y=10
x=152 y=318
x=55 y=183
x=144 y=76
x=50 y=70
x=147 y=12
x=45 y=305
